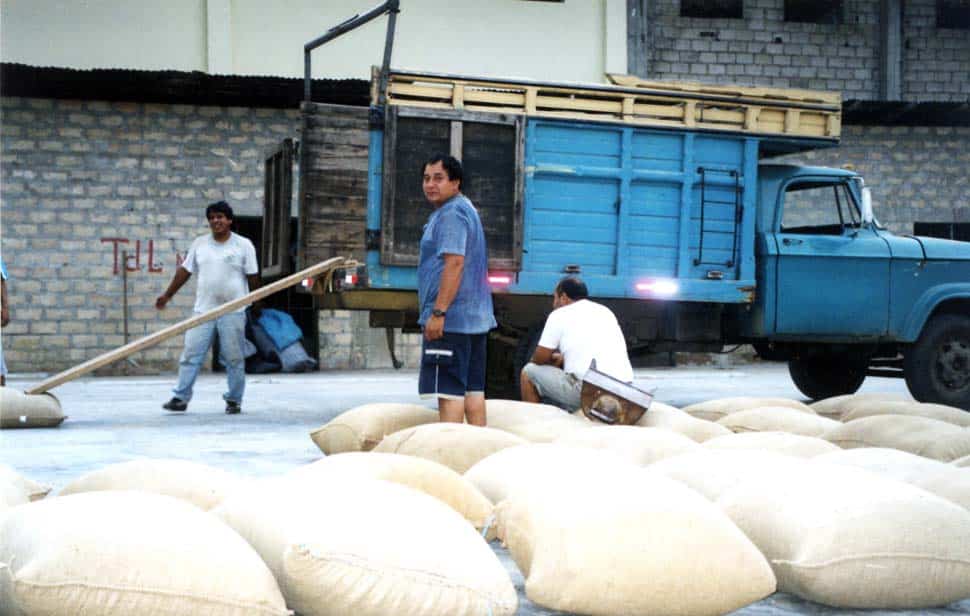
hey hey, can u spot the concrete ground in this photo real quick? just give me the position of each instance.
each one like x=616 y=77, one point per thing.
x=120 y=418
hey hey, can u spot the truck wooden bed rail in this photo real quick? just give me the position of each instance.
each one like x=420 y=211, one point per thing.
x=756 y=110
x=323 y=268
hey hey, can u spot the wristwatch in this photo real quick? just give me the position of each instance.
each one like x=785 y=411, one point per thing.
x=438 y=313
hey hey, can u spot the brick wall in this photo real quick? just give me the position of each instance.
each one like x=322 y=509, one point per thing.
x=763 y=49
x=83 y=181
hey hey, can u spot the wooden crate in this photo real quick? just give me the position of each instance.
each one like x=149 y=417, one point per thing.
x=630 y=100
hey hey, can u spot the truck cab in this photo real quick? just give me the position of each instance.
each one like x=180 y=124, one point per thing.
x=840 y=297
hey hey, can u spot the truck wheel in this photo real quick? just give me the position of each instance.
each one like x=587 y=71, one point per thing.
x=824 y=376
x=937 y=366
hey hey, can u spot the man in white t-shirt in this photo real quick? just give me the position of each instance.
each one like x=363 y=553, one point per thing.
x=576 y=332
x=226 y=266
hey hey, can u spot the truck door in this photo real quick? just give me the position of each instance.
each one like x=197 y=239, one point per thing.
x=831 y=274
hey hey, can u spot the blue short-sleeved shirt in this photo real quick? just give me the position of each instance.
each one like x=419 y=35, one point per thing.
x=455 y=228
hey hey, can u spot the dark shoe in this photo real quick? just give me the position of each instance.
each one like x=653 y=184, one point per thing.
x=175 y=405
x=233 y=408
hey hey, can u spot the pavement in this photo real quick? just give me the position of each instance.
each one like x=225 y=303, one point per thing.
x=115 y=419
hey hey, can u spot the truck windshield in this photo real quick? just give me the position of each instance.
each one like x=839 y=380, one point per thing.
x=819 y=208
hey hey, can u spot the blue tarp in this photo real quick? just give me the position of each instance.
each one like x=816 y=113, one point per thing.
x=280 y=327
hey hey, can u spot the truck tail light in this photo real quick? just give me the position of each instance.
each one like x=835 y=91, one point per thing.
x=658 y=287
x=497 y=279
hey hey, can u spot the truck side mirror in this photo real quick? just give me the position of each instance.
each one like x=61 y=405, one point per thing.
x=867 y=216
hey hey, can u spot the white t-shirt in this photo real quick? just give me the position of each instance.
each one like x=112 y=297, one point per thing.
x=221 y=268
x=583 y=331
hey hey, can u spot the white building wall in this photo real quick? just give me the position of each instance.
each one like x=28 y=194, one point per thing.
x=576 y=40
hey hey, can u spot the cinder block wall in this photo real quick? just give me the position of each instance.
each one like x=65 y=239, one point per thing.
x=83 y=181
x=763 y=49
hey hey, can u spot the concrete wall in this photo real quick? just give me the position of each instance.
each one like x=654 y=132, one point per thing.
x=577 y=41
x=84 y=181
x=763 y=49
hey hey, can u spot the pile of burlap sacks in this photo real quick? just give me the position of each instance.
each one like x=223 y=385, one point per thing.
x=853 y=502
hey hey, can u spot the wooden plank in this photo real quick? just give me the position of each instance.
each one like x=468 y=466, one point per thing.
x=173 y=330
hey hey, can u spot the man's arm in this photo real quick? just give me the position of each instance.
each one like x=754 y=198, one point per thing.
x=447 y=289
x=179 y=279
x=4 y=308
x=544 y=356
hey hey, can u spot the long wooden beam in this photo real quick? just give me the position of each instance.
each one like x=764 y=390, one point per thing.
x=173 y=330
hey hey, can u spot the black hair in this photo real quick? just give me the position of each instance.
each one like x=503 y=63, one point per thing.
x=451 y=165
x=573 y=288
x=220 y=207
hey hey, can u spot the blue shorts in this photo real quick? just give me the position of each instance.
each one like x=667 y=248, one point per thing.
x=453 y=366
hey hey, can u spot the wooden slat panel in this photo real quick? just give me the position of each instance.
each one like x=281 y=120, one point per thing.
x=664 y=104
x=333 y=188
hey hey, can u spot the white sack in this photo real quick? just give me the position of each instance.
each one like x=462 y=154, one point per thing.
x=930 y=438
x=638 y=445
x=780 y=442
x=31 y=489
x=713 y=410
x=850 y=538
x=604 y=546
x=777 y=419
x=370 y=548
x=711 y=472
x=423 y=475
x=671 y=418
x=18 y=410
x=363 y=427
x=202 y=485
x=127 y=553
x=457 y=446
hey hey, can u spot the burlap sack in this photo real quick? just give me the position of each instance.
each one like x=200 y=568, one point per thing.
x=457 y=446
x=711 y=472
x=933 y=476
x=777 y=419
x=930 y=438
x=601 y=546
x=713 y=410
x=548 y=430
x=31 y=489
x=199 y=484
x=370 y=548
x=834 y=407
x=126 y=553
x=524 y=467
x=941 y=412
x=363 y=427
x=850 y=538
x=11 y=494
x=963 y=462
x=423 y=475
x=18 y=410
x=502 y=413
x=779 y=442
x=641 y=446
x=671 y=418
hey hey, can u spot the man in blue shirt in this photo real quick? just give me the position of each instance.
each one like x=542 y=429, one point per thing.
x=454 y=297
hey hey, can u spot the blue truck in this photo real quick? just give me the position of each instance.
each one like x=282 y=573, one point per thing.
x=665 y=197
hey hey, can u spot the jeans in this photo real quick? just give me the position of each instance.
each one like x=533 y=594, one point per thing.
x=232 y=332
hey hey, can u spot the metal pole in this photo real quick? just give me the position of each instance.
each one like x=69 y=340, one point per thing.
x=354 y=22
x=394 y=9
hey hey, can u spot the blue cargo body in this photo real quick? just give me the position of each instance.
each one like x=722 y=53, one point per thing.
x=629 y=207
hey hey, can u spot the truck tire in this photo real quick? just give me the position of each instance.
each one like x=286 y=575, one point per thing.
x=937 y=366
x=824 y=376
